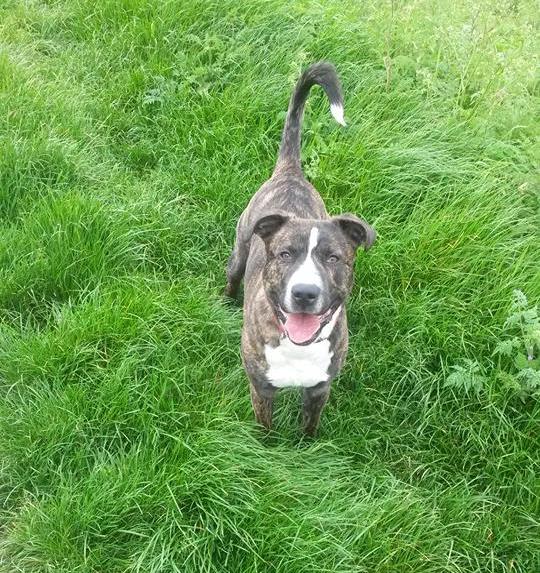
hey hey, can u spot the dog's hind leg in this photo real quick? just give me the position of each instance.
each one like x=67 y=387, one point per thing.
x=237 y=261
x=315 y=398
x=236 y=268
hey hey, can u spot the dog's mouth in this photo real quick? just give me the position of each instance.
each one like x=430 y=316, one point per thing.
x=302 y=328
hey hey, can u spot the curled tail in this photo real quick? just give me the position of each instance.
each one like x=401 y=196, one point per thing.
x=323 y=74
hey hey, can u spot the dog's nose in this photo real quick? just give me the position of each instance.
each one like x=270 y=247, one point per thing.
x=305 y=295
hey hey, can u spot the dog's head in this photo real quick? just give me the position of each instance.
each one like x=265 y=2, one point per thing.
x=309 y=268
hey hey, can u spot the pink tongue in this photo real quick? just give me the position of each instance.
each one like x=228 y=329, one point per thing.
x=301 y=327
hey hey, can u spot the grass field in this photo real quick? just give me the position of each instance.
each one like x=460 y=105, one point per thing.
x=132 y=134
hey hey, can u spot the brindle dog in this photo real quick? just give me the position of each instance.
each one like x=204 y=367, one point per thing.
x=297 y=264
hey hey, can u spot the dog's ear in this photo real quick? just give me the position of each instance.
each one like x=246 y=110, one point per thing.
x=266 y=226
x=356 y=230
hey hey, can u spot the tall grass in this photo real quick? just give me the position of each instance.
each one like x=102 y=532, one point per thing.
x=132 y=134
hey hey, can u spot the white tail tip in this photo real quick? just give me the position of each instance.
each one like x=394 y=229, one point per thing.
x=336 y=110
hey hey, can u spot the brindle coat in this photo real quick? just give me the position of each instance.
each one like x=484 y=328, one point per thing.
x=279 y=219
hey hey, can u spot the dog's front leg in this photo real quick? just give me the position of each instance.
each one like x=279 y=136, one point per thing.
x=315 y=398
x=263 y=405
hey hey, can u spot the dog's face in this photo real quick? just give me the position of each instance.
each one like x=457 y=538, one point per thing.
x=309 y=269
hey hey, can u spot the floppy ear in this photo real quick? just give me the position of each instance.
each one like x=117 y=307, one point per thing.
x=356 y=230
x=267 y=226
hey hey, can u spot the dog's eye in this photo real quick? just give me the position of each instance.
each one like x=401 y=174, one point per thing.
x=285 y=255
x=332 y=259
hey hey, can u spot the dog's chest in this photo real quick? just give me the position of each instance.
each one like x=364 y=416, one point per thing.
x=293 y=365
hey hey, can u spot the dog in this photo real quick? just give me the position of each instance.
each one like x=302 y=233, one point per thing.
x=297 y=263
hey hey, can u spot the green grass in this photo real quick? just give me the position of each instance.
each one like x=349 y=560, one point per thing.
x=132 y=135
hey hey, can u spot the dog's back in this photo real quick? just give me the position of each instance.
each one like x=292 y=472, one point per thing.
x=288 y=191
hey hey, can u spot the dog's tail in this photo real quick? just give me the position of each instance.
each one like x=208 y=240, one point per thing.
x=323 y=74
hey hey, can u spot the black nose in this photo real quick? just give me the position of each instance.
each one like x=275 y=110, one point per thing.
x=305 y=294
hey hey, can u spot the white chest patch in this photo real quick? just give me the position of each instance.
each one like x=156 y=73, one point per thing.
x=293 y=365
